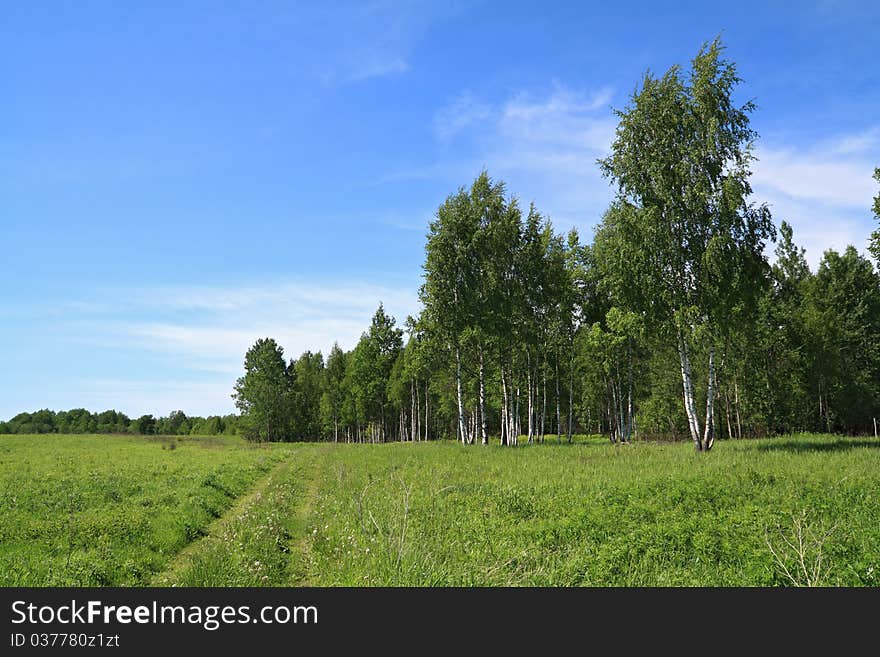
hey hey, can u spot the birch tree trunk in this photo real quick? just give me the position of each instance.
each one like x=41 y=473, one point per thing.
x=709 y=435
x=570 y=390
x=739 y=432
x=511 y=410
x=516 y=426
x=504 y=424
x=558 y=410
x=727 y=410
x=461 y=425
x=413 y=413
x=614 y=411
x=483 y=433
x=530 y=405
x=543 y=401
x=630 y=409
x=690 y=406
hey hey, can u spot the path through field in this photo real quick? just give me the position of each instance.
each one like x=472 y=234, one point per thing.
x=261 y=540
x=188 y=559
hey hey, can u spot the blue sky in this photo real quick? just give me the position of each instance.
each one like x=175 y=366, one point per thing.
x=178 y=179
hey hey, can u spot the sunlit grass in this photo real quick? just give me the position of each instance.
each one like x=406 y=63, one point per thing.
x=112 y=510
x=593 y=513
x=98 y=510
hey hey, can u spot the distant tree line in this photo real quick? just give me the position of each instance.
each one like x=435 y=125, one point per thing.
x=80 y=420
x=672 y=322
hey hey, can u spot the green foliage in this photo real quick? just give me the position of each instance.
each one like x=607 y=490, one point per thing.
x=145 y=425
x=308 y=380
x=845 y=299
x=264 y=395
x=81 y=421
x=874 y=247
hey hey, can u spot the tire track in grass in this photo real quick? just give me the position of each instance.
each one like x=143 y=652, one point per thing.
x=299 y=571
x=213 y=543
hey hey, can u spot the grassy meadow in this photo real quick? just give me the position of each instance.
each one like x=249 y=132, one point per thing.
x=112 y=510
x=106 y=510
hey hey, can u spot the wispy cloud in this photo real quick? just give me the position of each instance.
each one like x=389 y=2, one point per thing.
x=823 y=189
x=377 y=68
x=543 y=143
x=170 y=347
x=545 y=146
x=368 y=40
x=211 y=327
x=462 y=112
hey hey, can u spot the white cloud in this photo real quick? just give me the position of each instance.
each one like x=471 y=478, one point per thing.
x=375 y=66
x=276 y=297
x=544 y=145
x=862 y=142
x=461 y=113
x=836 y=180
x=184 y=346
x=302 y=316
x=823 y=190
x=366 y=40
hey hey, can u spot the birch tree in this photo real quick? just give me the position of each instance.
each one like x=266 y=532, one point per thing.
x=495 y=243
x=874 y=247
x=680 y=162
x=447 y=293
x=332 y=397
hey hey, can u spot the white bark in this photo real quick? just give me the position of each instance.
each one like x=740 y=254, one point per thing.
x=709 y=435
x=543 y=401
x=512 y=433
x=462 y=428
x=570 y=390
x=504 y=423
x=426 y=411
x=516 y=426
x=483 y=432
x=690 y=406
x=558 y=410
x=531 y=427
x=739 y=431
x=630 y=409
x=413 y=413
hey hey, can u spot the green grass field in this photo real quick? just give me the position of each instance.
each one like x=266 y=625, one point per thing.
x=102 y=510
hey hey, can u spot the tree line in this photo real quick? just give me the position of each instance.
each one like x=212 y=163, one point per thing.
x=673 y=322
x=80 y=421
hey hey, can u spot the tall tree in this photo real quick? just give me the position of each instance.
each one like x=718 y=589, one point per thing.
x=332 y=396
x=308 y=373
x=781 y=333
x=680 y=161
x=372 y=364
x=263 y=394
x=845 y=296
x=448 y=291
x=874 y=248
